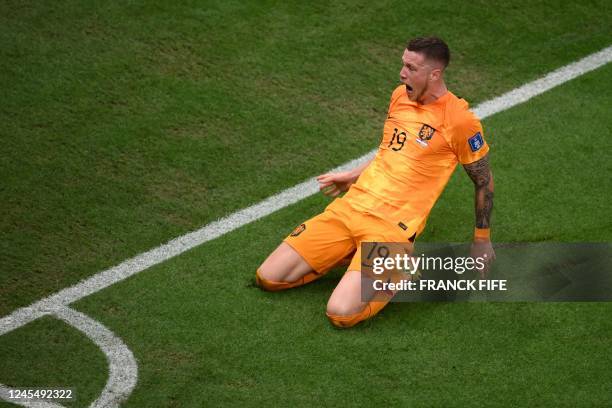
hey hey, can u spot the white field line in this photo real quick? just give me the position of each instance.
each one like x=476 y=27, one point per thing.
x=122 y=367
x=271 y=204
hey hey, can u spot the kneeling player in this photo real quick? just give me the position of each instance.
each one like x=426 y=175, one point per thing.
x=427 y=132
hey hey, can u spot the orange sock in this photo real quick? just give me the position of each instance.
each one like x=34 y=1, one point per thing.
x=372 y=307
x=273 y=286
x=370 y=310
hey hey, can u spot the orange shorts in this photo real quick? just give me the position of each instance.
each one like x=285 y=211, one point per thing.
x=337 y=233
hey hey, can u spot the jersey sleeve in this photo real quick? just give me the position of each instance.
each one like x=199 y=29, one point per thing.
x=468 y=141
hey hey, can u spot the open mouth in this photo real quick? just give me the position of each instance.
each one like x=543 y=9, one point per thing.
x=408 y=88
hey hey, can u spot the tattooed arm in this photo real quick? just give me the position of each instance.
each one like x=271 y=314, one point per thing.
x=481 y=175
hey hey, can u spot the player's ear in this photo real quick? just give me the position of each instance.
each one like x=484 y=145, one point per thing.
x=435 y=74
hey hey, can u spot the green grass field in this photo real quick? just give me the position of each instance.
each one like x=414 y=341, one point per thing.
x=125 y=125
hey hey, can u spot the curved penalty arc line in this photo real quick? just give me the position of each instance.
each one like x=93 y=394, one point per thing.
x=122 y=366
x=123 y=369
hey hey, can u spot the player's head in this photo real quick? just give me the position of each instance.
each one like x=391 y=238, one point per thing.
x=424 y=61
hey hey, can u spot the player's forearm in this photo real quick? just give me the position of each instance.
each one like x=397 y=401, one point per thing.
x=482 y=177
x=484 y=202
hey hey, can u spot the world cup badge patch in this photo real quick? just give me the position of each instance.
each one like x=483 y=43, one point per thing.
x=476 y=142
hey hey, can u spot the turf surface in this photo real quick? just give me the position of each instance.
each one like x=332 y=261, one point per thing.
x=123 y=126
x=48 y=354
x=243 y=346
x=202 y=332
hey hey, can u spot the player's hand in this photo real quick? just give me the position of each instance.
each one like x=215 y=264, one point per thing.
x=482 y=248
x=332 y=184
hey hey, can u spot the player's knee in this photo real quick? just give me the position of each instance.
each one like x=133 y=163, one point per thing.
x=345 y=315
x=267 y=280
x=275 y=285
x=343 y=308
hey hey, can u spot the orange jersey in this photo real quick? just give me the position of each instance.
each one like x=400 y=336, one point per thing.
x=419 y=151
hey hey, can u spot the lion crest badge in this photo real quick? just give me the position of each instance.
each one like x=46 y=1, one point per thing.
x=298 y=230
x=426 y=132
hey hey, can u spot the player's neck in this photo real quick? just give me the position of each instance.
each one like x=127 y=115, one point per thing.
x=437 y=91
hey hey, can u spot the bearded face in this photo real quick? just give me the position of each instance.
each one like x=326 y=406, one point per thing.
x=415 y=75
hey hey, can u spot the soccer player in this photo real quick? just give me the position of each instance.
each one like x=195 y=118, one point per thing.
x=428 y=131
